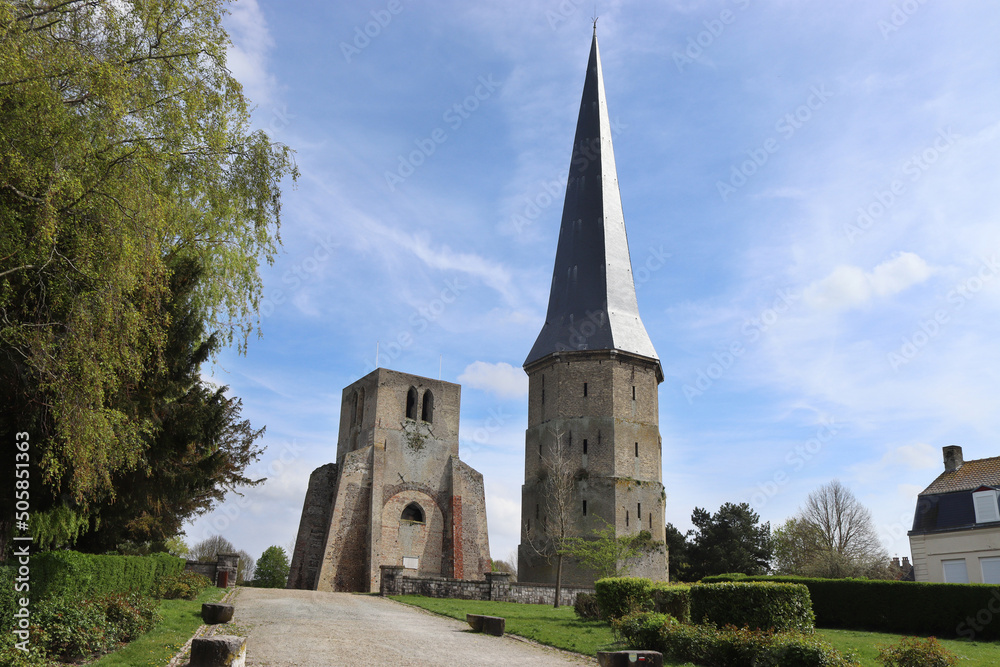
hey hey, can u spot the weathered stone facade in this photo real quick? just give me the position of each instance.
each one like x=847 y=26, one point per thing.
x=398 y=494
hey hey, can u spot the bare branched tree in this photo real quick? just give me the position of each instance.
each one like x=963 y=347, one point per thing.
x=833 y=535
x=557 y=482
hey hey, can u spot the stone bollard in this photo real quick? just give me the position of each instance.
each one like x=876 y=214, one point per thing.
x=218 y=651
x=216 y=613
x=629 y=659
x=491 y=625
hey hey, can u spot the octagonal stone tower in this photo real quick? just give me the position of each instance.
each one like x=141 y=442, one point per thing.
x=592 y=376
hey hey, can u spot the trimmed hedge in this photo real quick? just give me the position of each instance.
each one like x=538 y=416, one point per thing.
x=56 y=573
x=900 y=607
x=759 y=606
x=673 y=599
x=618 y=596
x=729 y=647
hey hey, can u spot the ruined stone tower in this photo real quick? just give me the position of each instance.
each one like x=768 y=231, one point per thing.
x=592 y=447
x=397 y=495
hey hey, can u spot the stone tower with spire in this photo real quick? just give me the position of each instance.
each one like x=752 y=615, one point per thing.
x=592 y=447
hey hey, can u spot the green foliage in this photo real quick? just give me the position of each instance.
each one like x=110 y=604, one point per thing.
x=176 y=546
x=58 y=527
x=728 y=647
x=913 y=652
x=8 y=597
x=904 y=607
x=672 y=599
x=586 y=606
x=272 y=569
x=11 y=656
x=125 y=143
x=759 y=606
x=70 y=627
x=56 y=573
x=185 y=585
x=605 y=553
x=618 y=596
x=731 y=540
x=678 y=546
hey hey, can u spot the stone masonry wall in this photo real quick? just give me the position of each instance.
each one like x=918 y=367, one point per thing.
x=313 y=526
x=497 y=587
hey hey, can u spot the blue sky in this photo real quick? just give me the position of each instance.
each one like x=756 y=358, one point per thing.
x=811 y=196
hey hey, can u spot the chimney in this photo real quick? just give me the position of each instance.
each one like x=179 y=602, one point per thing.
x=895 y=561
x=906 y=563
x=952 y=458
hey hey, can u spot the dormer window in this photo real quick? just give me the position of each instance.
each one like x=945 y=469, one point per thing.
x=985 y=501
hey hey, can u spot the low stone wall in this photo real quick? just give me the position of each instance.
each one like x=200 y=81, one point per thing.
x=497 y=587
x=225 y=562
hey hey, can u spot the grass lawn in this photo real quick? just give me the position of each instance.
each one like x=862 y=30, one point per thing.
x=562 y=629
x=155 y=648
x=865 y=646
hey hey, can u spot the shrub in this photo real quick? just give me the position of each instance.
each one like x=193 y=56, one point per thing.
x=728 y=647
x=672 y=599
x=586 y=606
x=902 y=607
x=618 y=596
x=186 y=585
x=11 y=656
x=8 y=598
x=58 y=573
x=913 y=652
x=72 y=628
x=760 y=606
x=129 y=616
x=642 y=629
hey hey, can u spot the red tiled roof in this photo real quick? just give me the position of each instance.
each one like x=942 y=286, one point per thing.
x=972 y=475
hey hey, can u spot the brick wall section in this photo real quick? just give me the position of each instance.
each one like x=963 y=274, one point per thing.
x=497 y=587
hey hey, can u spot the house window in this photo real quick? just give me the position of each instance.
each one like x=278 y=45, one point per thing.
x=991 y=570
x=411 y=403
x=427 y=411
x=985 y=502
x=955 y=571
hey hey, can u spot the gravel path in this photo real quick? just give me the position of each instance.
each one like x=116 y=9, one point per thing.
x=308 y=628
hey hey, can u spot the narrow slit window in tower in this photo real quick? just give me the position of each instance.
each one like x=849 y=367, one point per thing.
x=411 y=403
x=638 y=512
x=584 y=388
x=633 y=392
x=361 y=406
x=354 y=408
x=637 y=449
x=427 y=410
x=651 y=521
x=584 y=445
x=536 y=512
x=584 y=508
x=626 y=518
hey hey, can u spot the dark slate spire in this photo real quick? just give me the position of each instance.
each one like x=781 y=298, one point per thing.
x=592 y=303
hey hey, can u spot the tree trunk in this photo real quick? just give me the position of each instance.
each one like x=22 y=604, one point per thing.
x=559 y=559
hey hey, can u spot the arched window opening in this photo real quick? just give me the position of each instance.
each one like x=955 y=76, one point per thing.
x=411 y=403
x=354 y=408
x=427 y=410
x=360 y=407
x=413 y=513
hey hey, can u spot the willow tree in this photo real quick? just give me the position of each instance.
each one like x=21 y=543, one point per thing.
x=125 y=144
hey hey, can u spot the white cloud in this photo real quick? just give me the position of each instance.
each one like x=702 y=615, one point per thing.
x=850 y=286
x=247 y=55
x=500 y=379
